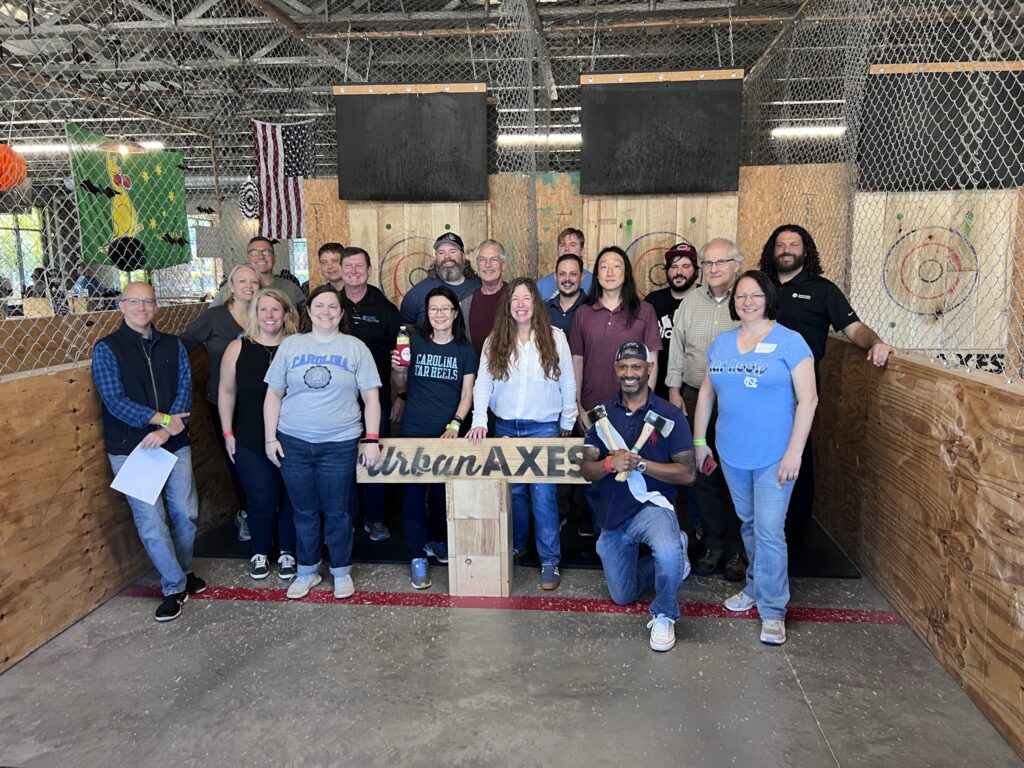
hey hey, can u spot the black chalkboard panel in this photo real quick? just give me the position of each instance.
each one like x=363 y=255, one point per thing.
x=661 y=137
x=412 y=147
x=942 y=131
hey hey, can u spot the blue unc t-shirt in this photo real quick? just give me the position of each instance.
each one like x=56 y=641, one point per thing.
x=756 y=400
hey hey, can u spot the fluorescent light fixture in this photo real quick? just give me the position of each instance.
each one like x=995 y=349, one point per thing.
x=808 y=132
x=811 y=101
x=62 y=149
x=540 y=139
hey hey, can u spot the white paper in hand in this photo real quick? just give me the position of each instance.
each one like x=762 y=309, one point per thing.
x=144 y=474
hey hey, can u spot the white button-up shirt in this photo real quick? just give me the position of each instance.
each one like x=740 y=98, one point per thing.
x=527 y=394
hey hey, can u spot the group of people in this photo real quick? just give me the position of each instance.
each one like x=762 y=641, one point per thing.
x=708 y=384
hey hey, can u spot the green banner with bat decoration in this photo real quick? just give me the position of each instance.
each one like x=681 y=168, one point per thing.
x=131 y=202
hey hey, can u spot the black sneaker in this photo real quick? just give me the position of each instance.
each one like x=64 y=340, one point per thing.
x=194 y=585
x=707 y=563
x=586 y=526
x=170 y=608
x=735 y=568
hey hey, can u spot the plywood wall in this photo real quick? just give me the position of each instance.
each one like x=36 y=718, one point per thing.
x=919 y=476
x=817 y=197
x=68 y=541
x=932 y=267
x=400 y=236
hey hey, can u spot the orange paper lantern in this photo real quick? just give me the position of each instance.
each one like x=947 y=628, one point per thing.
x=13 y=169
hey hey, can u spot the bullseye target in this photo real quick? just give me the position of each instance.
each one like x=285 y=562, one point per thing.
x=931 y=271
x=642 y=248
x=404 y=264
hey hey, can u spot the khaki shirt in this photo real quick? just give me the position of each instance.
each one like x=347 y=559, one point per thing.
x=695 y=325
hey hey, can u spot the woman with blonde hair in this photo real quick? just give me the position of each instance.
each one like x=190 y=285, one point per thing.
x=526 y=378
x=242 y=391
x=215 y=329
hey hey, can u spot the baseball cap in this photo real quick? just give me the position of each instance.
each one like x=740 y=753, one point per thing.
x=451 y=239
x=681 y=251
x=632 y=350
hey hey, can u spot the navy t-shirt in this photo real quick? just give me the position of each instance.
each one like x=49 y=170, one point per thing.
x=435 y=384
x=616 y=503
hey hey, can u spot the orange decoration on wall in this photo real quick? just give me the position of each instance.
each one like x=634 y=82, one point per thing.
x=13 y=169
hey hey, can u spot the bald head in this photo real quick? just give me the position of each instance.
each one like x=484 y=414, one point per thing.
x=138 y=306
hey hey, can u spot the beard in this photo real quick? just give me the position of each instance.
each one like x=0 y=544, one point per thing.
x=687 y=282
x=798 y=263
x=450 y=273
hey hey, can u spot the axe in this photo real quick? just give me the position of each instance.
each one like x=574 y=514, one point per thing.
x=652 y=422
x=599 y=418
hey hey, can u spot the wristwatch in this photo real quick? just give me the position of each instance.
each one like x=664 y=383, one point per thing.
x=641 y=467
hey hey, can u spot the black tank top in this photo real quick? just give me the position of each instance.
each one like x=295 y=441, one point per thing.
x=253 y=362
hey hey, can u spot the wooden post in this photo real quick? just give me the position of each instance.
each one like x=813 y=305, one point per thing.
x=479 y=503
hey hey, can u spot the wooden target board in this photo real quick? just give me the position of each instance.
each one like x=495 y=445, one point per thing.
x=929 y=269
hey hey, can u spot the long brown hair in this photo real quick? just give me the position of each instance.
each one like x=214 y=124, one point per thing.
x=502 y=346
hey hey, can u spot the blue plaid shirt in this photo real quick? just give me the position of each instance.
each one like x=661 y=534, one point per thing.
x=106 y=373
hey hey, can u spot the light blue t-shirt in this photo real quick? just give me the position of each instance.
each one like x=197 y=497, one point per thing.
x=756 y=399
x=547 y=286
x=322 y=380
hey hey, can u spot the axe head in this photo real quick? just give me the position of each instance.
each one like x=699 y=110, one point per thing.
x=597 y=413
x=661 y=425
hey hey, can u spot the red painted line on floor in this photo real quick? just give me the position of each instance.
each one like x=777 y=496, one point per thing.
x=526 y=603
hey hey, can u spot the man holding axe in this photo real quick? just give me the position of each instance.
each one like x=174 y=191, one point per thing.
x=640 y=509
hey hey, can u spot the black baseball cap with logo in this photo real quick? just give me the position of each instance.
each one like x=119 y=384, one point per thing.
x=632 y=350
x=450 y=238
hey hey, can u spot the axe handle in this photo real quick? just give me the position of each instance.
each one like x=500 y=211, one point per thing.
x=645 y=435
x=606 y=429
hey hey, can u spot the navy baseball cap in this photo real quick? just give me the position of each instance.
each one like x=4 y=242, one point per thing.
x=451 y=239
x=632 y=350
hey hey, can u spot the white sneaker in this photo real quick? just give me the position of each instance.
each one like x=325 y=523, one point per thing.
x=343 y=587
x=663 y=633
x=773 y=631
x=684 y=542
x=740 y=602
x=302 y=584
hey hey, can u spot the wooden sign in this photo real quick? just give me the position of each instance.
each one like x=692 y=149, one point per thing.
x=518 y=460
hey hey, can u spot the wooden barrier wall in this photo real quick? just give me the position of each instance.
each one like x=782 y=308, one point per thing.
x=920 y=479
x=67 y=542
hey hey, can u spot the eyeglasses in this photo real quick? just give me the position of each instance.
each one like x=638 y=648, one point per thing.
x=133 y=302
x=260 y=252
x=488 y=259
x=753 y=296
x=719 y=263
x=440 y=310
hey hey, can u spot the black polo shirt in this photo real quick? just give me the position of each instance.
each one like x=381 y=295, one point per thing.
x=809 y=305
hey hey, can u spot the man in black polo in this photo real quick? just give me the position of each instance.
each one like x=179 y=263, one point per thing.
x=569 y=278
x=375 y=321
x=809 y=304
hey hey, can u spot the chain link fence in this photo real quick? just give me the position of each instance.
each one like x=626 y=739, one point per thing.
x=896 y=126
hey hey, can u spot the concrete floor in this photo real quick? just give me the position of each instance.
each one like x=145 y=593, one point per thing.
x=244 y=682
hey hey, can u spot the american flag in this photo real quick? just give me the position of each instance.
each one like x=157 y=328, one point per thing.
x=284 y=157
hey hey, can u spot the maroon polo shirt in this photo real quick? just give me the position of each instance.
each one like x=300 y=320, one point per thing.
x=482 y=313
x=596 y=336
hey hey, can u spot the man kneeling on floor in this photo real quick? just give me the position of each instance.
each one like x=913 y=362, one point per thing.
x=639 y=508
x=145 y=383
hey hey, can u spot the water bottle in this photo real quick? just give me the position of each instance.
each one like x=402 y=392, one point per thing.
x=402 y=345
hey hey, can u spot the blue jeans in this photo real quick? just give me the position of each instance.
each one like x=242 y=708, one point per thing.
x=423 y=516
x=270 y=509
x=168 y=528
x=761 y=505
x=629 y=577
x=319 y=478
x=544 y=496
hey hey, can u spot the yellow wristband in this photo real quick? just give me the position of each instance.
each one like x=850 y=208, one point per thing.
x=166 y=420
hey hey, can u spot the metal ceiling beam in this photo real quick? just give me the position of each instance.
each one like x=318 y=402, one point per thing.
x=79 y=93
x=299 y=34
